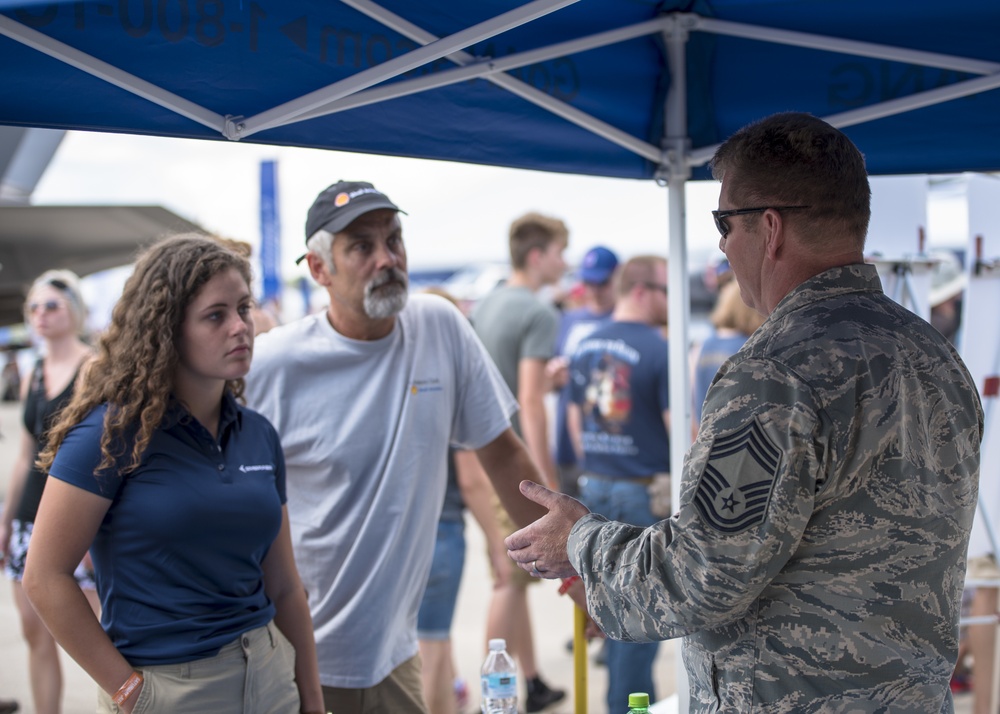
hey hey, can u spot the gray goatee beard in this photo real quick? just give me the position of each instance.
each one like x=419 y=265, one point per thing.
x=386 y=293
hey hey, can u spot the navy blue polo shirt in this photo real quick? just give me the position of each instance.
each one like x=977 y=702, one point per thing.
x=178 y=554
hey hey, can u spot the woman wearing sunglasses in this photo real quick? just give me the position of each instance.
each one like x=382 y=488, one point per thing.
x=56 y=313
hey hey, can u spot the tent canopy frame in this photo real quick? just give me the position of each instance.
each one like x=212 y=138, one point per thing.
x=673 y=159
x=361 y=90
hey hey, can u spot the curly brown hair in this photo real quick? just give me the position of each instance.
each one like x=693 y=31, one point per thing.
x=133 y=371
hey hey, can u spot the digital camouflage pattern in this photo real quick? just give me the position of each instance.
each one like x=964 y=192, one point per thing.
x=817 y=558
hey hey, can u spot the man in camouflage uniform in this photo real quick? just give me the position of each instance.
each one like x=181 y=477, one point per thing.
x=816 y=561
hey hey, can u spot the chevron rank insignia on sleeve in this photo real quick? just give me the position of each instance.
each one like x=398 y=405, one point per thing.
x=736 y=483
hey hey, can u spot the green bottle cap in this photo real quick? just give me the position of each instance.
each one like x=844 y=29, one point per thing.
x=638 y=699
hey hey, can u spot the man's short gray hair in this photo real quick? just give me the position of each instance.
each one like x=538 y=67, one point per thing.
x=321 y=243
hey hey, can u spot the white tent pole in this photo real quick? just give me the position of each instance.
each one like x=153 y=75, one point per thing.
x=481 y=67
x=847 y=47
x=541 y=54
x=102 y=70
x=916 y=101
x=516 y=86
x=889 y=108
x=679 y=308
x=287 y=112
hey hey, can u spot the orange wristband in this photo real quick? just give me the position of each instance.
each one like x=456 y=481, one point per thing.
x=567 y=584
x=125 y=691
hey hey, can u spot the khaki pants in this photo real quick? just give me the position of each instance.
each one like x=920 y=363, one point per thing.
x=254 y=674
x=401 y=692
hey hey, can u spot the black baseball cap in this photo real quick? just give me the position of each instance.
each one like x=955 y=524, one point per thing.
x=337 y=206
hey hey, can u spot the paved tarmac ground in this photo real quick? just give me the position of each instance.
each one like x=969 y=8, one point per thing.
x=552 y=615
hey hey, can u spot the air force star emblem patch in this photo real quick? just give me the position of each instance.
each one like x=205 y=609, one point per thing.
x=736 y=484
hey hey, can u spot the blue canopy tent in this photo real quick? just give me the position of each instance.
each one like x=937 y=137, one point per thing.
x=625 y=88
x=564 y=85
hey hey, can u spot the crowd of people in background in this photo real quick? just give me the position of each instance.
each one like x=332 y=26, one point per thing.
x=334 y=537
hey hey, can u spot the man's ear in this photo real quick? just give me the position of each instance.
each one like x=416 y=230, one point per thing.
x=531 y=259
x=318 y=269
x=773 y=226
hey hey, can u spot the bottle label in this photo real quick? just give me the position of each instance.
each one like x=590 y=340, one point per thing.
x=502 y=685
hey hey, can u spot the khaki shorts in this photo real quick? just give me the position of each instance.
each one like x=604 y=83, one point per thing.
x=254 y=674
x=983 y=567
x=401 y=691
x=520 y=577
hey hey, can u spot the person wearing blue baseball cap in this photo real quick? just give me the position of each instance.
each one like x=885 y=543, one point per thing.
x=595 y=273
x=597 y=266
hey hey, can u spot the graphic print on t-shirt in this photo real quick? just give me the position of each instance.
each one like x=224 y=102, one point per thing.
x=607 y=408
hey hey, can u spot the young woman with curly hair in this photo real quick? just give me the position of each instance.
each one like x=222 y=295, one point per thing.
x=181 y=492
x=56 y=312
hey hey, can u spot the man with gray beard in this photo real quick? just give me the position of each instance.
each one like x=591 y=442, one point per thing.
x=367 y=396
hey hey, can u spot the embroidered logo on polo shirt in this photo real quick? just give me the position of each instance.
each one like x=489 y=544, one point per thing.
x=736 y=484
x=256 y=467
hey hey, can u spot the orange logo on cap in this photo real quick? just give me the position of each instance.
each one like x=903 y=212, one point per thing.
x=342 y=199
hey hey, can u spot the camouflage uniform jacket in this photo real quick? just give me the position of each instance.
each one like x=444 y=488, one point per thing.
x=817 y=558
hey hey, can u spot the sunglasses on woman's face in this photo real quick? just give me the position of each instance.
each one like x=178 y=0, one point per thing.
x=47 y=306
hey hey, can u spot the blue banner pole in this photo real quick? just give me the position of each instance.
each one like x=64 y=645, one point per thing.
x=270 y=233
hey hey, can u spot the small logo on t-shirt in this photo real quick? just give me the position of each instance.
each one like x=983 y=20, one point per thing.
x=421 y=386
x=256 y=467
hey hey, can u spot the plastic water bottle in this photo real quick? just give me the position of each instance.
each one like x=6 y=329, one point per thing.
x=638 y=703
x=499 y=680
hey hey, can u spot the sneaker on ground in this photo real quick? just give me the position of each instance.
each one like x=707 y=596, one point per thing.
x=540 y=696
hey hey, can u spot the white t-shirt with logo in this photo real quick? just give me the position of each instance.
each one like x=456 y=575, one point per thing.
x=365 y=427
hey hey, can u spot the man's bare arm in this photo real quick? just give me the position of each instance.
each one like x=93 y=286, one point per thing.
x=531 y=389
x=507 y=463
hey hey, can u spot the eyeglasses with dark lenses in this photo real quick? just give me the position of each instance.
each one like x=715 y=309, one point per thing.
x=47 y=306
x=720 y=216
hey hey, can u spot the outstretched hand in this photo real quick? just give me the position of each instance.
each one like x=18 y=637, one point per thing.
x=540 y=548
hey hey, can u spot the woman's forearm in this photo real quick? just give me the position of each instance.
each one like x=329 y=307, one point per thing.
x=67 y=520
x=293 y=619
x=66 y=612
